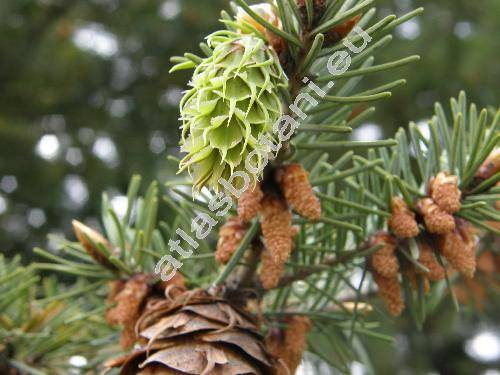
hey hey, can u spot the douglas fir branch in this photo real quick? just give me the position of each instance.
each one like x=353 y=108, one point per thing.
x=278 y=277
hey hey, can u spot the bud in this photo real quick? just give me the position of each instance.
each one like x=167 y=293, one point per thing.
x=436 y=220
x=389 y=290
x=249 y=203
x=289 y=345
x=384 y=261
x=402 y=222
x=298 y=192
x=339 y=32
x=276 y=221
x=489 y=167
x=444 y=192
x=230 y=236
x=89 y=239
x=428 y=259
x=459 y=249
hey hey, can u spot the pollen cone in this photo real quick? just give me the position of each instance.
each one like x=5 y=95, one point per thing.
x=276 y=224
x=402 y=222
x=289 y=344
x=384 y=261
x=249 y=203
x=298 y=191
x=436 y=220
x=230 y=236
x=389 y=290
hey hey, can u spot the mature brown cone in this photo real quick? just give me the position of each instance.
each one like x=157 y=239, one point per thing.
x=289 y=345
x=436 y=220
x=276 y=223
x=390 y=291
x=402 y=222
x=89 y=239
x=384 y=261
x=428 y=259
x=459 y=249
x=196 y=333
x=230 y=236
x=339 y=32
x=444 y=191
x=249 y=203
x=298 y=191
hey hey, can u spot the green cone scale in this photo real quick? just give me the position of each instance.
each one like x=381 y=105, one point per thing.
x=234 y=99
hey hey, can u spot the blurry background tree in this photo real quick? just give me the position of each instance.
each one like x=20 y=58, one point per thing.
x=86 y=101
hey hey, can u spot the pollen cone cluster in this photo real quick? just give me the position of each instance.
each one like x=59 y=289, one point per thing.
x=289 y=344
x=233 y=101
x=298 y=191
x=230 y=236
x=459 y=249
x=402 y=222
x=196 y=333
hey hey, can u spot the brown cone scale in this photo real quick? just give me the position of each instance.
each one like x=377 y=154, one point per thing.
x=196 y=333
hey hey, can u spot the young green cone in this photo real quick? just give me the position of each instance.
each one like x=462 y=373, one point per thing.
x=234 y=100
